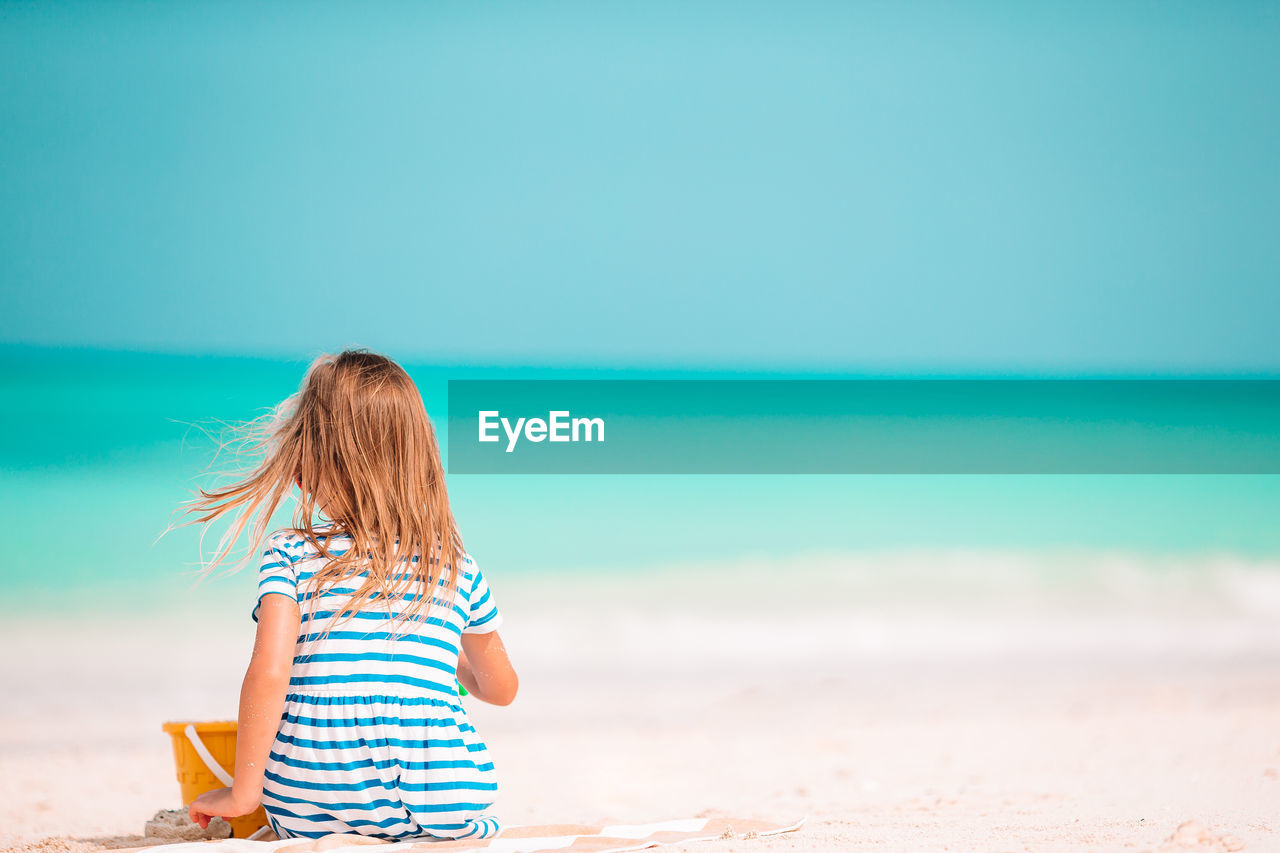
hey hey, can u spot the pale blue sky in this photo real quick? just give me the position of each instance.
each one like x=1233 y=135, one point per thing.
x=981 y=186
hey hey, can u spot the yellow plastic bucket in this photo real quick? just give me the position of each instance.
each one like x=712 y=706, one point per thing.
x=195 y=775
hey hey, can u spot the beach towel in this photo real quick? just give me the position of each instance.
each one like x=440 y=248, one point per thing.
x=517 y=839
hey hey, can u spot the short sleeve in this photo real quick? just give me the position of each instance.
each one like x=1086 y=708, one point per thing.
x=483 y=615
x=276 y=574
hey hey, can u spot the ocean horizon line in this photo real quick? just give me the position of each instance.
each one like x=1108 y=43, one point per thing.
x=14 y=350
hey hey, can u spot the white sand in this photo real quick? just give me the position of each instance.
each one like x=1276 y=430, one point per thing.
x=903 y=702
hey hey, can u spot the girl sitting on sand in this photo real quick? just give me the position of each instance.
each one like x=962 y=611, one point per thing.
x=349 y=713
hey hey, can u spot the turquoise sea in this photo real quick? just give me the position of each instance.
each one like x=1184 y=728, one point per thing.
x=98 y=449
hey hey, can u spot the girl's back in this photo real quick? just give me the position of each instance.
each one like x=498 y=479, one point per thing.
x=373 y=737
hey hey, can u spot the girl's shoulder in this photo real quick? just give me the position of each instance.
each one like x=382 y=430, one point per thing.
x=285 y=537
x=467 y=569
x=291 y=544
x=280 y=551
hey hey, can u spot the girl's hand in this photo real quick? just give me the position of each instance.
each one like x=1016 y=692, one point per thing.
x=221 y=802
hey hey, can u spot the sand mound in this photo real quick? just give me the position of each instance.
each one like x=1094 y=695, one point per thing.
x=176 y=825
x=1191 y=835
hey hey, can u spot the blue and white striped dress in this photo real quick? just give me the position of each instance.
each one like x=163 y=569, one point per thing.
x=373 y=739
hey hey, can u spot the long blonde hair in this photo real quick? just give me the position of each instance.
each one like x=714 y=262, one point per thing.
x=356 y=434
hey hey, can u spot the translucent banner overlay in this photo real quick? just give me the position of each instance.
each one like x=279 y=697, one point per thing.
x=871 y=426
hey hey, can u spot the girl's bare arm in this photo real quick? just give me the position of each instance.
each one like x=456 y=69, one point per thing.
x=485 y=670
x=261 y=705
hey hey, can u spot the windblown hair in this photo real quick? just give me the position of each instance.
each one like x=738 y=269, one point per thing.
x=356 y=437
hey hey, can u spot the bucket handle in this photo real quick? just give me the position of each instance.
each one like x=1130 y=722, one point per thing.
x=206 y=756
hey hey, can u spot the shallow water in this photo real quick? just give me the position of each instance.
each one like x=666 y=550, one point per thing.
x=98 y=450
